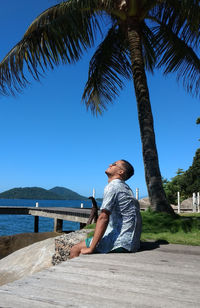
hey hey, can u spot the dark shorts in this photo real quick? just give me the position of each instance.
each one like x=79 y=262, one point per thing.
x=117 y=250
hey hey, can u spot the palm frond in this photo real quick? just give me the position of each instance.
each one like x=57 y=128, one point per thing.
x=178 y=35
x=177 y=56
x=109 y=62
x=148 y=43
x=183 y=17
x=187 y=9
x=58 y=35
x=145 y=7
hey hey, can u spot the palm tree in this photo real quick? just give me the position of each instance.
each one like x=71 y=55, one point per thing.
x=142 y=35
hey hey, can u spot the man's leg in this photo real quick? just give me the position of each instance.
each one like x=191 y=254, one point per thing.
x=76 y=249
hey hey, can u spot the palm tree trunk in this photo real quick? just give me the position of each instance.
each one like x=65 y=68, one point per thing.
x=156 y=192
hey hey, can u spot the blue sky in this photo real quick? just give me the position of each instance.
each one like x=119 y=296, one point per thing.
x=48 y=138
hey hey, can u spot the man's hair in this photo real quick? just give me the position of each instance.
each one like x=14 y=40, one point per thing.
x=129 y=170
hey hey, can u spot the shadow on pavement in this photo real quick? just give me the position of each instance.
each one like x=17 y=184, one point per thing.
x=151 y=245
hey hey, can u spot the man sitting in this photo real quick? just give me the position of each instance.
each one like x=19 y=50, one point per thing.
x=119 y=225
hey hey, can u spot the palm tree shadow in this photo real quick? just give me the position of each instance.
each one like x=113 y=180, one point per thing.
x=151 y=245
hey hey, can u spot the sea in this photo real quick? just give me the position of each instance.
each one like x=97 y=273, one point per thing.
x=14 y=224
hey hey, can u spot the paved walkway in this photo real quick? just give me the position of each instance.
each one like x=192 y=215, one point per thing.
x=168 y=276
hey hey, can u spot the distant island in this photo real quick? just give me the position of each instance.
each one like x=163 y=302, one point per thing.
x=56 y=193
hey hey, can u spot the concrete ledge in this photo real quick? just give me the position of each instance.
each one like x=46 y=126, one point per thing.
x=149 y=278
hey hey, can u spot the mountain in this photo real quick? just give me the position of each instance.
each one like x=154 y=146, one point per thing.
x=67 y=194
x=30 y=193
x=56 y=193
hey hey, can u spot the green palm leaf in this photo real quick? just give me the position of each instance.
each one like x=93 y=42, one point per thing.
x=178 y=35
x=178 y=57
x=58 y=35
x=108 y=65
x=149 y=42
x=183 y=17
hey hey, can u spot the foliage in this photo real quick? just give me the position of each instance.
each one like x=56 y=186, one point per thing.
x=175 y=230
x=190 y=238
x=186 y=182
x=90 y=234
x=191 y=214
x=91 y=226
x=192 y=175
x=172 y=187
x=154 y=222
x=60 y=35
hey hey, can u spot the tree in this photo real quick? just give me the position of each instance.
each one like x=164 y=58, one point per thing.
x=192 y=175
x=186 y=182
x=142 y=35
x=176 y=184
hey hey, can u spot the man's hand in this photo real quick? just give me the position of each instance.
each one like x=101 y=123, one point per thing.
x=86 y=251
x=100 y=229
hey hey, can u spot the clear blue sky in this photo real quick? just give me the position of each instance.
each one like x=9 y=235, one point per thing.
x=48 y=138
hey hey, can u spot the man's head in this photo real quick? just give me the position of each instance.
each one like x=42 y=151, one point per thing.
x=121 y=169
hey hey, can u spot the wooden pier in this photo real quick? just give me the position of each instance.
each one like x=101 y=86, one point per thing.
x=59 y=214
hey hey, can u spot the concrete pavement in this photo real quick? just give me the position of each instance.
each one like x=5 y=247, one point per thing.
x=157 y=276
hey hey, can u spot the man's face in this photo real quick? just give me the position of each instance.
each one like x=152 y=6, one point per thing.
x=115 y=169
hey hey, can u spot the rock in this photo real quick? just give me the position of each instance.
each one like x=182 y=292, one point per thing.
x=174 y=206
x=64 y=243
x=144 y=203
x=11 y=243
x=187 y=204
x=38 y=256
x=27 y=261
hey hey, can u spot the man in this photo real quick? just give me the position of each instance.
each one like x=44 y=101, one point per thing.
x=119 y=225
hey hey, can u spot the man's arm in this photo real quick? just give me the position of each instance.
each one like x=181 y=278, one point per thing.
x=100 y=229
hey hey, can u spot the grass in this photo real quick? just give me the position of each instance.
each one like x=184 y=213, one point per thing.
x=190 y=215
x=183 y=229
x=92 y=227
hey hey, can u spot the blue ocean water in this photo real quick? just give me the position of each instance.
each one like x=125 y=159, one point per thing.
x=13 y=224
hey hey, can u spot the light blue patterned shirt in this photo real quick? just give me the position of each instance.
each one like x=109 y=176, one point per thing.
x=125 y=223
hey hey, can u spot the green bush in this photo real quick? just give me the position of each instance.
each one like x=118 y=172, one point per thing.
x=155 y=222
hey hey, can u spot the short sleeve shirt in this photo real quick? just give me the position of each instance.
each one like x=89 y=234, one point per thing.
x=124 y=227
